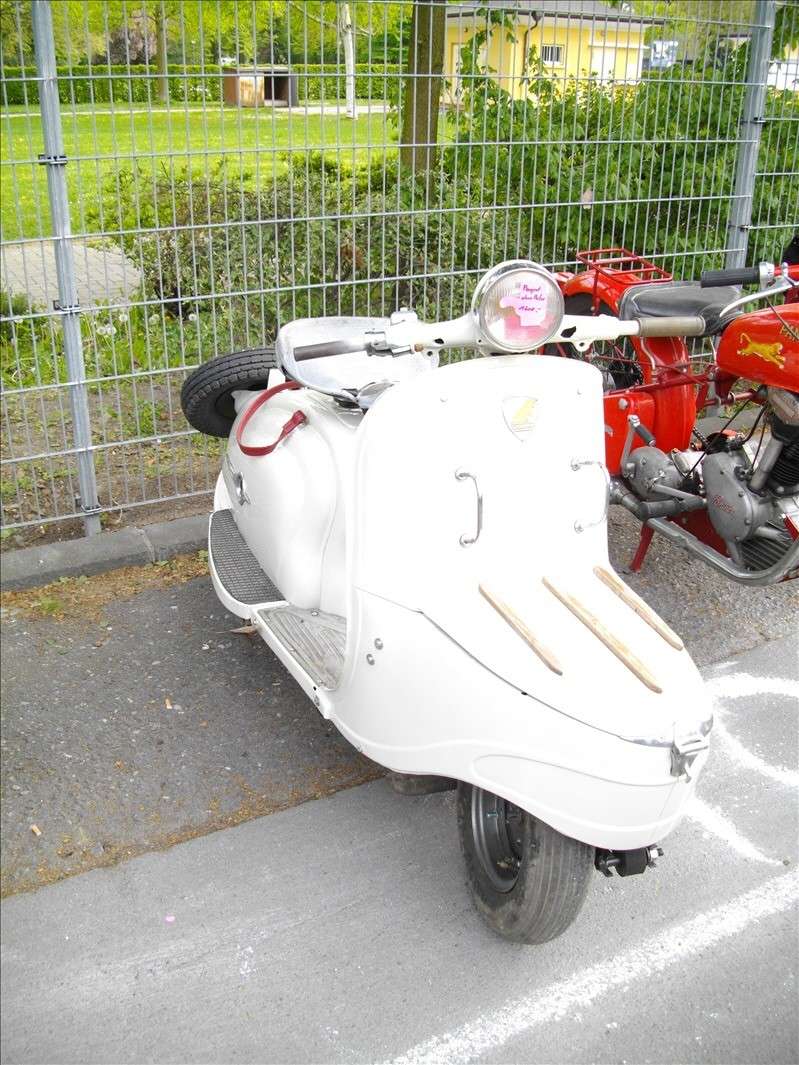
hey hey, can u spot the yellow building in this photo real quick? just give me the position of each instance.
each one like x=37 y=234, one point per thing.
x=571 y=38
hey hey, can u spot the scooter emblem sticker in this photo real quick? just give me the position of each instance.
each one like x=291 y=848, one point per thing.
x=519 y=413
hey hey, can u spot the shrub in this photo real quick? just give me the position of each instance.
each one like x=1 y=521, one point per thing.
x=251 y=258
x=646 y=166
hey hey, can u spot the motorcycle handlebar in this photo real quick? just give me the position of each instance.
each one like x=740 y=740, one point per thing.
x=678 y=325
x=743 y=275
x=666 y=326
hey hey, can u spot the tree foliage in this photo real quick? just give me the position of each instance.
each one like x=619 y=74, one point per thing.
x=195 y=30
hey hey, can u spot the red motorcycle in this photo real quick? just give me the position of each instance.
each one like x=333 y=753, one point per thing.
x=728 y=497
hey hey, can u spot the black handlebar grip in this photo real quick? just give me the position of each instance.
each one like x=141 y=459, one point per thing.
x=743 y=275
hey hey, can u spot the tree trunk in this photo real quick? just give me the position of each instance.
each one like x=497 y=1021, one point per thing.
x=160 y=55
x=425 y=68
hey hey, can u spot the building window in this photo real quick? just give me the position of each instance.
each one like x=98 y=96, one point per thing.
x=552 y=54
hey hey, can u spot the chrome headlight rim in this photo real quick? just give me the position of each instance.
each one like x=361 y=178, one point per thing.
x=483 y=288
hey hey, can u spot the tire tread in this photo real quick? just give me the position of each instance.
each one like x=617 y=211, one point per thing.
x=214 y=380
x=551 y=888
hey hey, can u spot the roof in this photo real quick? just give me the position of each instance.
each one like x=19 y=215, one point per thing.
x=589 y=10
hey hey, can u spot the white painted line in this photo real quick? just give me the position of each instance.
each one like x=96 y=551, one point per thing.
x=676 y=944
x=740 y=686
x=714 y=821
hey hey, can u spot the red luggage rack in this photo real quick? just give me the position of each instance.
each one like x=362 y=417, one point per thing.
x=620 y=269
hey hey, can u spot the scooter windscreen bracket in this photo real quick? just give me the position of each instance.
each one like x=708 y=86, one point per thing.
x=343 y=357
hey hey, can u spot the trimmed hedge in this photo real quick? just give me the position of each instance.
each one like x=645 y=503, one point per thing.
x=123 y=84
x=372 y=81
x=119 y=84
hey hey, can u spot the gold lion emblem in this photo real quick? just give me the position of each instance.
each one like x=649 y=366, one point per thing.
x=766 y=352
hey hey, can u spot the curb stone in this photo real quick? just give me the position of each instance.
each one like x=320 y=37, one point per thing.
x=158 y=542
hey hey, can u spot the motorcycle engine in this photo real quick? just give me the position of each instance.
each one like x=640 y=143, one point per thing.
x=751 y=503
x=744 y=501
x=735 y=511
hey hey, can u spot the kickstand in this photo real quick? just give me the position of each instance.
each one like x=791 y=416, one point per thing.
x=641 y=550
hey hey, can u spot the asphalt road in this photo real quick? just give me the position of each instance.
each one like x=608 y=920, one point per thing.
x=340 y=931
x=153 y=722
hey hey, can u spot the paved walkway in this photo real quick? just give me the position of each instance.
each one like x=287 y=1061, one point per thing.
x=102 y=275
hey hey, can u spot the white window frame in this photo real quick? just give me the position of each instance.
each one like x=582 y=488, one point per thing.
x=558 y=49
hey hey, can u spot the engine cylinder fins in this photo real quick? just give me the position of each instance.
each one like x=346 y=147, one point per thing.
x=784 y=474
x=759 y=553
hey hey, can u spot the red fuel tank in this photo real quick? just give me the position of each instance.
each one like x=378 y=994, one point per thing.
x=763 y=348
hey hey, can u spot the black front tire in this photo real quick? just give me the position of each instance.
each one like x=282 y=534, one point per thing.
x=207 y=393
x=528 y=882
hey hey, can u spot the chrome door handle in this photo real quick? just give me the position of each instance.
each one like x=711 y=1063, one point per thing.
x=578 y=464
x=463 y=475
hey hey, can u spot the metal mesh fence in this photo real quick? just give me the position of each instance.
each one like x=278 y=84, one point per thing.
x=180 y=177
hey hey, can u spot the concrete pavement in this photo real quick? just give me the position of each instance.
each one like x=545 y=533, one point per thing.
x=340 y=931
x=102 y=275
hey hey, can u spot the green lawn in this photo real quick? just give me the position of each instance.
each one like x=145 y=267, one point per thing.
x=99 y=144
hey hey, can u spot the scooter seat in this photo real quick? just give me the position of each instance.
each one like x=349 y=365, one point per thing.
x=678 y=298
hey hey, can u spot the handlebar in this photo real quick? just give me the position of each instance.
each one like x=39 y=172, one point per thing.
x=685 y=325
x=743 y=275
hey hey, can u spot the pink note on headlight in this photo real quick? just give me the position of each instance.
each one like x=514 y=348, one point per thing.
x=530 y=304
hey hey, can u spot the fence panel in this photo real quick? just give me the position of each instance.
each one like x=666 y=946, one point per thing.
x=220 y=182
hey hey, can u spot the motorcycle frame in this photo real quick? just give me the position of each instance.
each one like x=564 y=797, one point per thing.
x=670 y=397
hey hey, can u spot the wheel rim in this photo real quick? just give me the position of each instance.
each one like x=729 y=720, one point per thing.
x=498 y=831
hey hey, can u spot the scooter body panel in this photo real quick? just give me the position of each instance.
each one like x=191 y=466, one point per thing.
x=435 y=679
x=543 y=528
x=291 y=507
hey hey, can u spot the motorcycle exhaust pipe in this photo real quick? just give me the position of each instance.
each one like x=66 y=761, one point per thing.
x=760 y=578
x=661 y=508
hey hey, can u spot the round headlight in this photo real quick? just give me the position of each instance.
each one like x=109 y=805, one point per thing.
x=517 y=306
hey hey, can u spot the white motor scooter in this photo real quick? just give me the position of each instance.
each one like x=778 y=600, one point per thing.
x=424 y=548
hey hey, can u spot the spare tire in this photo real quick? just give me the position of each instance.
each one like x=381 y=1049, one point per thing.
x=207 y=393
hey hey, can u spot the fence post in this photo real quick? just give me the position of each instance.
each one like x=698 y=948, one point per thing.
x=67 y=306
x=751 y=126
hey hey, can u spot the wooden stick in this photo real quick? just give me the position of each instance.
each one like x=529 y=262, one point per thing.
x=613 y=643
x=521 y=629
x=642 y=609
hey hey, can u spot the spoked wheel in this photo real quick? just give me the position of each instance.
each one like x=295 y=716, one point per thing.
x=617 y=360
x=527 y=881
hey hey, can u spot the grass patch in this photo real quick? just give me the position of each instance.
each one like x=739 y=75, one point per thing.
x=81 y=599
x=98 y=144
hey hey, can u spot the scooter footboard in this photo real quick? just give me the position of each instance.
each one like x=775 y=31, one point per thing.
x=449 y=715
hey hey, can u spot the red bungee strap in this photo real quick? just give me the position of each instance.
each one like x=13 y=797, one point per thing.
x=296 y=419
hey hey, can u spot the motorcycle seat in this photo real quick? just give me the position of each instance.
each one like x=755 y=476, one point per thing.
x=678 y=297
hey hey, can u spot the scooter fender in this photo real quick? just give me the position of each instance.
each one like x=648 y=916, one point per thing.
x=416 y=701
